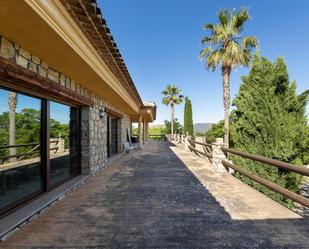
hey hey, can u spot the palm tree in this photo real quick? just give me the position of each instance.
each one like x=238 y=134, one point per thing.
x=12 y=126
x=171 y=97
x=227 y=48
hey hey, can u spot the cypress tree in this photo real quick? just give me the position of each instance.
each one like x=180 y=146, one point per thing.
x=270 y=120
x=185 y=122
x=188 y=121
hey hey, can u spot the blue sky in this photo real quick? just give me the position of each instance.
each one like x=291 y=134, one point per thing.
x=58 y=111
x=160 y=42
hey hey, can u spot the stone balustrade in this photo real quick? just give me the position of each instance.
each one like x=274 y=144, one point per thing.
x=217 y=154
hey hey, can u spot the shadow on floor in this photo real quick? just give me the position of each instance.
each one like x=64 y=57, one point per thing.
x=152 y=199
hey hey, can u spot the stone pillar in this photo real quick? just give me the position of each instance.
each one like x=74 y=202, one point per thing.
x=187 y=143
x=140 y=131
x=131 y=128
x=144 y=132
x=147 y=131
x=85 y=141
x=218 y=155
x=199 y=146
x=60 y=145
x=180 y=138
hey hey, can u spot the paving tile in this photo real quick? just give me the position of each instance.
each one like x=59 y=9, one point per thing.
x=164 y=197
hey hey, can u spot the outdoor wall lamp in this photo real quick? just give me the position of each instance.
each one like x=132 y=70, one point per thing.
x=102 y=113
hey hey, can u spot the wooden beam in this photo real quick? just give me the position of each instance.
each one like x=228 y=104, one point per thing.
x=15 y=76
x=113 y=113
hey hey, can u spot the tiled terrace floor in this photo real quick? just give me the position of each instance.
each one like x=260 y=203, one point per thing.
x=164 y=197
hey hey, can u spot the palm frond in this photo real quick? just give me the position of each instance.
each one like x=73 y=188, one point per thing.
x=249 y=42
x=246 y=57
x=224 y=16
x=205 y=52
x=239 y=18
x=224 y=45
x=172 y=95
x=206 y=40
x=213 y=60
x=209 y=26
x=165 y=101
x=179 y=100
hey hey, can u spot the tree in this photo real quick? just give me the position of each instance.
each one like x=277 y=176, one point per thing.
x=156 y=129
x=172 y=97
x=188 y=121
x=227 y=48
x=4 y=133
x=12 y=126
x=135 y=131
x=215 y=131
x=177 y=127
x=28 y=129
x=270 y=120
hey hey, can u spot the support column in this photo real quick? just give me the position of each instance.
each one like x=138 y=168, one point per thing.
x=147 y=131
x=131 y=128
x=140 y=132
x=130 y=134
x=144 y=131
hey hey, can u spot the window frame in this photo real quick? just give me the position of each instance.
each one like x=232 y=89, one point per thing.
x=44 y=149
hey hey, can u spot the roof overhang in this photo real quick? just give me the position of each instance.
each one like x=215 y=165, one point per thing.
x=148 y=112
x=46 y=29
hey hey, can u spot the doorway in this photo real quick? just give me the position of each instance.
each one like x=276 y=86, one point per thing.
x=112 y=134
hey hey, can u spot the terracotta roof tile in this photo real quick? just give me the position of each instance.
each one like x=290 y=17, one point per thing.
x=88 y=16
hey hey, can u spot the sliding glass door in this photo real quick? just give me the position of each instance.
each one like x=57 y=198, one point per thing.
x=39 y=146
x=64 y=142
x=20 y=148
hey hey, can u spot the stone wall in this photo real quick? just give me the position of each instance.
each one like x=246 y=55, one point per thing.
x=94 y=135
x=93 y=129
x=22 y=57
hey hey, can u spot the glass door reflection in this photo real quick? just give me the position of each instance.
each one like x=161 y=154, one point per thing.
x=20 y=148
x=64 y=142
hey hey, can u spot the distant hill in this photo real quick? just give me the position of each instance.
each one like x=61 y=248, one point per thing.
x=202 y=127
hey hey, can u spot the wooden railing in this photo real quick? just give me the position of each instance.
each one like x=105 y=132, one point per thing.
x=157 y=137
x=207 y=148
x=35 y=149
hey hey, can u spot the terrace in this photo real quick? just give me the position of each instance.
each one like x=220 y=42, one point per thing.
x=164 y=196
x=68 y=103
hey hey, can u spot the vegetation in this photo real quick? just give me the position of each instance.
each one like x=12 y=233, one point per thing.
x=270 y=120
x=172 y=97
x=215 y=131
x=134 y=131
x=153 y=130
x=156 y=129
x=178 y=129
x=227 y=48
x=188 y=121
x=28 y=129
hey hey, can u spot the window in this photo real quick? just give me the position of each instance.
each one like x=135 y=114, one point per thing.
x=39 y=146
x=20 y=148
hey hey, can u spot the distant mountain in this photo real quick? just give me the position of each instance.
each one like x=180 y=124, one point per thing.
x=202 y=127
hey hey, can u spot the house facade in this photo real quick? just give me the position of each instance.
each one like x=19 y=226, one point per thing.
x=67 y=101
